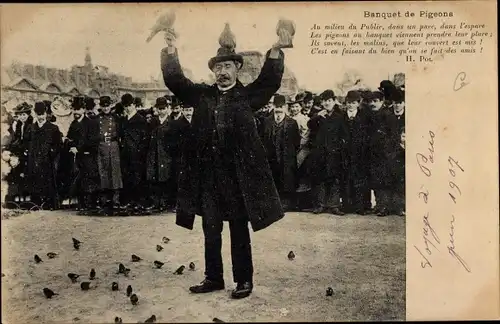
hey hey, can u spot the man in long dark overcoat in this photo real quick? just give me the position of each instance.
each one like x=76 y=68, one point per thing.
x=108 y=156
x=281 y=139
x=230 y=178
x=134 y=149
x=159 y=158
x=356 y=123
x=44 y=146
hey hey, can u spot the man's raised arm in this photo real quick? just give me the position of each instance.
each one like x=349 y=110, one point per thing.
x=175 y=80
x=269 y=79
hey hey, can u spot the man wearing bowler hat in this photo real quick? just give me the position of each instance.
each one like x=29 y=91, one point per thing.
x=230 y=178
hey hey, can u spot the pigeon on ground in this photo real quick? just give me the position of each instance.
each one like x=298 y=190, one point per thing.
x=73 y=277
x=152 y=319
x=159 y=248
x=118 y=320
x=48 y=293
x=134 y=299
x=291 y=255
x=180 y=270
x=129 y=290
x=92 y=274
x=126 y=271
x=51 y=255
x=85 y=285
x=159 y=264
x=329 y=291
x=121 y=268
x=135 y=258
x=37 y=259
x=165 y=240
x=114 y=286
x=192 y=266
x=75 y=241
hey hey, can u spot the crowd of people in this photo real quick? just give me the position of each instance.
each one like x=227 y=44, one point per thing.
x=326 y=156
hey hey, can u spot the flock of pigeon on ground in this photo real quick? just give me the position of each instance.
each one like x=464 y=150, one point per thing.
x=134 y=299
x=86 y=285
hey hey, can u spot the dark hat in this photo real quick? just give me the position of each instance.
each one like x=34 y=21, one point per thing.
x=22 y=108
x=317 y=101
x=279 y=100
x=398 y=96
x=138 y=101
x=47 y=103
x=40 y=108
x=226 y=52
x=308 y=96
x=176 y=102
x=377 y=95
x=353 y=96
x=127 y=99
x=387 y=88
x=89 y=103
x=365 y=94
x=118 y=108
x=184 y=105
x=105 y=101
x=77 y=103
x=327 y=94
x=299 y=98
x=161 y=102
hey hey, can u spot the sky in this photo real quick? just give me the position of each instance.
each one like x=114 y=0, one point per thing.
x=57 y=35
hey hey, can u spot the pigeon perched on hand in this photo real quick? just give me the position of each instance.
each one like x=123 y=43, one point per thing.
x=48 y=293
x=291 y=255
x=37 y=259
x=158 y=264
x=180 y=270
x=126 y=271
x=73 y=277
x=164 y=23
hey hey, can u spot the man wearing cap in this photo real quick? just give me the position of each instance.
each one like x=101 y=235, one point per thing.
x=159 y=158
x=134 y=151
x=282 y=141
x=325 y=158
x=45 y=141
x=355 y=156
x=108 y=156
x=230 y=179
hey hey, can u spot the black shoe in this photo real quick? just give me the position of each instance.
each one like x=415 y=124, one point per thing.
x=337 y=211
x=382 y=213
x=207 y=286
x=242 y=290
x=318 y=210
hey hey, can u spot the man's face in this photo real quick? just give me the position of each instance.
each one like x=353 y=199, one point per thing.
x=399 y=106
x=403 y=137
x=328 y=104
x=23 y=117
x=176 y=110
x=225 y=73
x=188 y=113
x=106 y=110
x=295 y=109
x=309 y=104
x=279 y=112
x=130 y=109
x=163 y=111
x=155 y=111
x=270 y=106
x=375 y=104
x=352 y=105
x=77 y=114
x=41 y=118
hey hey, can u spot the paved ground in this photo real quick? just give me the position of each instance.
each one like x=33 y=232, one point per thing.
x=361 y=257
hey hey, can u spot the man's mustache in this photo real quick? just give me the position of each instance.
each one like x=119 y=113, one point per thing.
x=222 y=78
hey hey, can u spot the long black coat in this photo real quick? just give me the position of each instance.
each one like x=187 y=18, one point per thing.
x=43 y=151
x=162 y=143
x=134 y=141
x=18 y=181
x=325 y=159
x=394 y=124
x=355 y=154
x=379 y=143
x=241 y=143
x=291 y=142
